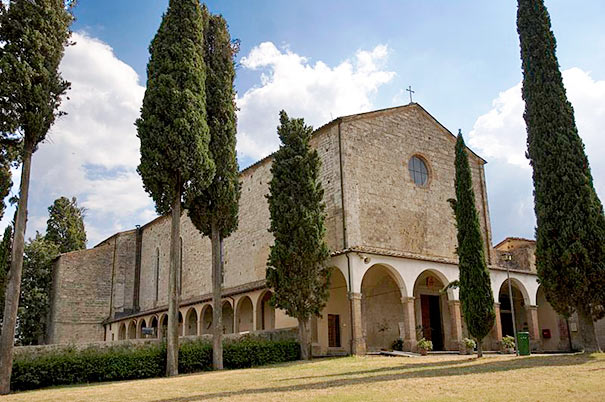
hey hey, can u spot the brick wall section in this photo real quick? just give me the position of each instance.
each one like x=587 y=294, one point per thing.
x=385 y=208
x=81 y=295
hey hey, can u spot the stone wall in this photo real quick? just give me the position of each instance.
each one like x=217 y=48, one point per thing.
x=384 y=208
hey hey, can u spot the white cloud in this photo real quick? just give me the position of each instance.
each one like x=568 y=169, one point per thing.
x=500 y=137
x=316 y=92
x=92 y=153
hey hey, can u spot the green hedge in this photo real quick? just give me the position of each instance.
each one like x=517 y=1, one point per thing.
x=69 y=366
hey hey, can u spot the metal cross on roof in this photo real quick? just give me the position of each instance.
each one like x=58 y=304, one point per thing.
x=409 y=89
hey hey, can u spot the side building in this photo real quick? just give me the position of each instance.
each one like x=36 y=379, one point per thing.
x=387 y=176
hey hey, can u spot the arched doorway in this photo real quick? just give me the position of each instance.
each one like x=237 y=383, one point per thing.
x=122 y=332
x=227 y=318
x=265 y=313
x=553 y=328
x=154 y=324
x=132 y=330
x=381 y=308
x=206 y=319
x=432 y=310
x=164 y=326
x=334 y=328
x=245 y=314
x=140 y=325
x=191 y=327
x=519 y=300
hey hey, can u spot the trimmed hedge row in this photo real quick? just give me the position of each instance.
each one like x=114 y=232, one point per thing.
x=127 y=363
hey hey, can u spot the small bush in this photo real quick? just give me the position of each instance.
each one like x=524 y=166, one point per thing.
x=398 y=345
x=508 y=342
x=70 y=366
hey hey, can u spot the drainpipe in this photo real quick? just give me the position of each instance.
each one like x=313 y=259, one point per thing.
x=345 y=242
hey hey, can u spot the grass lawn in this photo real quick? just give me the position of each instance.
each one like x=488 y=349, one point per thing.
x=431 y=378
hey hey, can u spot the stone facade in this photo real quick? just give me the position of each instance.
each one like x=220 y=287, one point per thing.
x=393 y=247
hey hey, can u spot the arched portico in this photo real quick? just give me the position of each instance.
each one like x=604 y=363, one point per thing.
x=227 y=317
x=191 y=322
x=153 y=323
x=180 y=324
x=206 y=319
x=265 y=313
x=437 y=313
x=163 y=326
x=520 y=299
x=244 y=315
x=122 y=332
x=381 y=307
x=552 y=326
x=132 y=330
x=333 y=329
x=140 y=325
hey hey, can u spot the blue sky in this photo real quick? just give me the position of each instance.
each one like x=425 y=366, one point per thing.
x=320 y=59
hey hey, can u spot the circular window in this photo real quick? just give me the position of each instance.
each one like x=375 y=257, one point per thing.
x=418 y=171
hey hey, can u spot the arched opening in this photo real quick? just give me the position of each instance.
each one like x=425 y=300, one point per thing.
x=553 y=328
x=519 y=301
x=122 y=332
x=180 y=324
x=244 y=315
x=154 y=324
x=265 y=313
x=333 y=328
x=433 y=319
x=381 y=308
x=132 y=330
x=206 y=319
x=164 y=326
x=191 y=328
x=140 y=325
x=227 y=318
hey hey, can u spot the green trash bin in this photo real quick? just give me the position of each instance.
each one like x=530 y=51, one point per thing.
x=523 y=343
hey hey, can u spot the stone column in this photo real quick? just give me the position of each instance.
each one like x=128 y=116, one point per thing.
x=358 y=342
x=456 y=321
x=409 y=324
x=497 y=330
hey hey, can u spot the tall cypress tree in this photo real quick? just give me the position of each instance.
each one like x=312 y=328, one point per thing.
x=174 y=134
x=296 y=268
x=570 y=232
x=214 y=211
x=476 y=297
x=34 y=35
x=65 y=225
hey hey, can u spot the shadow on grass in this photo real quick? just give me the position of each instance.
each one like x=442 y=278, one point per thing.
x=420 y=370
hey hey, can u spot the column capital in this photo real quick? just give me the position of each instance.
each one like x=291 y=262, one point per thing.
x=406 y=299
x=497 y=304
x=453 y=301
x=531 y=307
x=354 y=296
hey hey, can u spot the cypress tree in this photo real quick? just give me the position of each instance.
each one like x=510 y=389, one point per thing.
x=34 y=35
x=570 y=232
x=65 y=225
x=214 y=211
x=296 y=268
x=174 y=134
x=476 y=298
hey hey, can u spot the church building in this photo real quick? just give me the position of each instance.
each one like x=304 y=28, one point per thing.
x=387 y=176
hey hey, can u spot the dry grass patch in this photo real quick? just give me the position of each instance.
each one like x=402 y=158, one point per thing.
x=433 y=378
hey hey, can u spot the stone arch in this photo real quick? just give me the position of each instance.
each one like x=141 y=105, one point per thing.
x=520 y=301
x=227 y=317
x=206 y=319
x=394 y=274
x=244 y=315
x=122 y=332
x=332 y=329
x=552 y=327
x=163 y=326
x=191 y=322
x=153 y=323
x=434 y=315
x=265 y=313
x=132 y=329
x=140 y=325
x=381 y=306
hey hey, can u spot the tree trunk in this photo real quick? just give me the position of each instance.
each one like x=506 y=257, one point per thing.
x=217 y=308
x=587 y=330
x=13 y=287
x=479 y=348
x=172 y=345
x=303 y=336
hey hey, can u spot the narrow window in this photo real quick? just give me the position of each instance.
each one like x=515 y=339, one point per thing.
x=181 y=269
x=157 y=273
